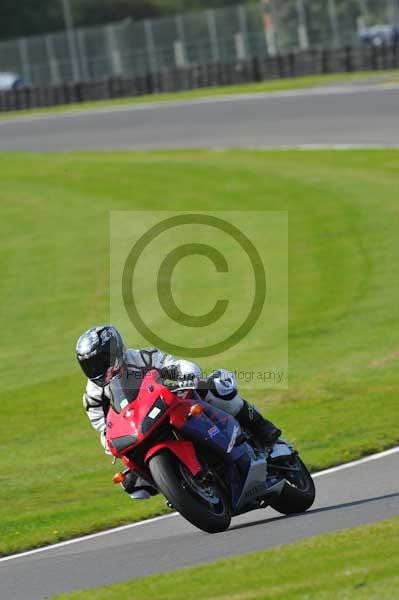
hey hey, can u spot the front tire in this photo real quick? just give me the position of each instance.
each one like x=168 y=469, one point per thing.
x=205 y=507
x=299 y=491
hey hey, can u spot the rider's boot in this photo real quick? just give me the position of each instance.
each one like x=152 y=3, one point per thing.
x=137 y=487
x=265 y=433
x=140 y=495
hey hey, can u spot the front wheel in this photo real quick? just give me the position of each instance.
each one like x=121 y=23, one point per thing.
x=299 y=492
x=202 y=502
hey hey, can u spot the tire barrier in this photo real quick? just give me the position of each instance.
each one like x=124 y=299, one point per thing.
x=314 y=61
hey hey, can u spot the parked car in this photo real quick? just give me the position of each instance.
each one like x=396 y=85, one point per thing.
x=10 y=81
x=379 y=34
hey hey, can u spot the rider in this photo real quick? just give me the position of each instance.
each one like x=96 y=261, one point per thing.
x=101 y=354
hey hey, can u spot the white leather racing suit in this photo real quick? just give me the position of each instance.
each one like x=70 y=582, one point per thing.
x=222 y=391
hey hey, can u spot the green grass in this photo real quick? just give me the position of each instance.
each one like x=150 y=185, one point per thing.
x=343 y=290
x=289 y=83
x=357 y=563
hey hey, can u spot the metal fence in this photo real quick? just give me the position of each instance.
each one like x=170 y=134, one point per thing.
x=128 y=49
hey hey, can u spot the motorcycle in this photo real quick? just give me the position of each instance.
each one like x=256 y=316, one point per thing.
x=208 y=467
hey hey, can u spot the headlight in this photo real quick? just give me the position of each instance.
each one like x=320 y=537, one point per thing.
x=154 y=414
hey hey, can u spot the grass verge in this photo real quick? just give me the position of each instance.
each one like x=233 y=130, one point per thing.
x=343 y=244
x=358 y=563
x=290 y=83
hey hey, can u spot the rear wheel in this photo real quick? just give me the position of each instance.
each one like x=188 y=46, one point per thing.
x=299 y=491
x=199 y=500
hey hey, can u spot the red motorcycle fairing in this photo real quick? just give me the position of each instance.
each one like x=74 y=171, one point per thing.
x=133 y=422
x=183 y=450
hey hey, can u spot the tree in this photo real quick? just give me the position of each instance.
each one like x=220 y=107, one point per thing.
x=29 y=17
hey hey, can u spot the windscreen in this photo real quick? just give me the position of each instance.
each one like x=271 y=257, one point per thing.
x=124 y=388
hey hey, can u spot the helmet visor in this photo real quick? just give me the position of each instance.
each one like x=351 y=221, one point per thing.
x=94 y=367
x=101 y=368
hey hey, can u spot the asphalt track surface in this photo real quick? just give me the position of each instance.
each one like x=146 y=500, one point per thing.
x=363 y=492
x=352 y=114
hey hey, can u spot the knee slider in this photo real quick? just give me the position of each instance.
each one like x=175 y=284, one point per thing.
x=222 y=384
x=222 y=392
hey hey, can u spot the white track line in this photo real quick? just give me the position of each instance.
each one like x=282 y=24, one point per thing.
x=355 y=463
x=317 y=91
x=310 y=147
x=86 y=537
x=92 y=536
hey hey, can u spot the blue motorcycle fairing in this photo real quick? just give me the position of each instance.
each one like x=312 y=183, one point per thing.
x=219 y=431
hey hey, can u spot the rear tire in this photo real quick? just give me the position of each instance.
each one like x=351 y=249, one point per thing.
x=299 y=491
x=173 y=481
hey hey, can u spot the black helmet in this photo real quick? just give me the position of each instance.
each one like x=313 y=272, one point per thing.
x=100 y=352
